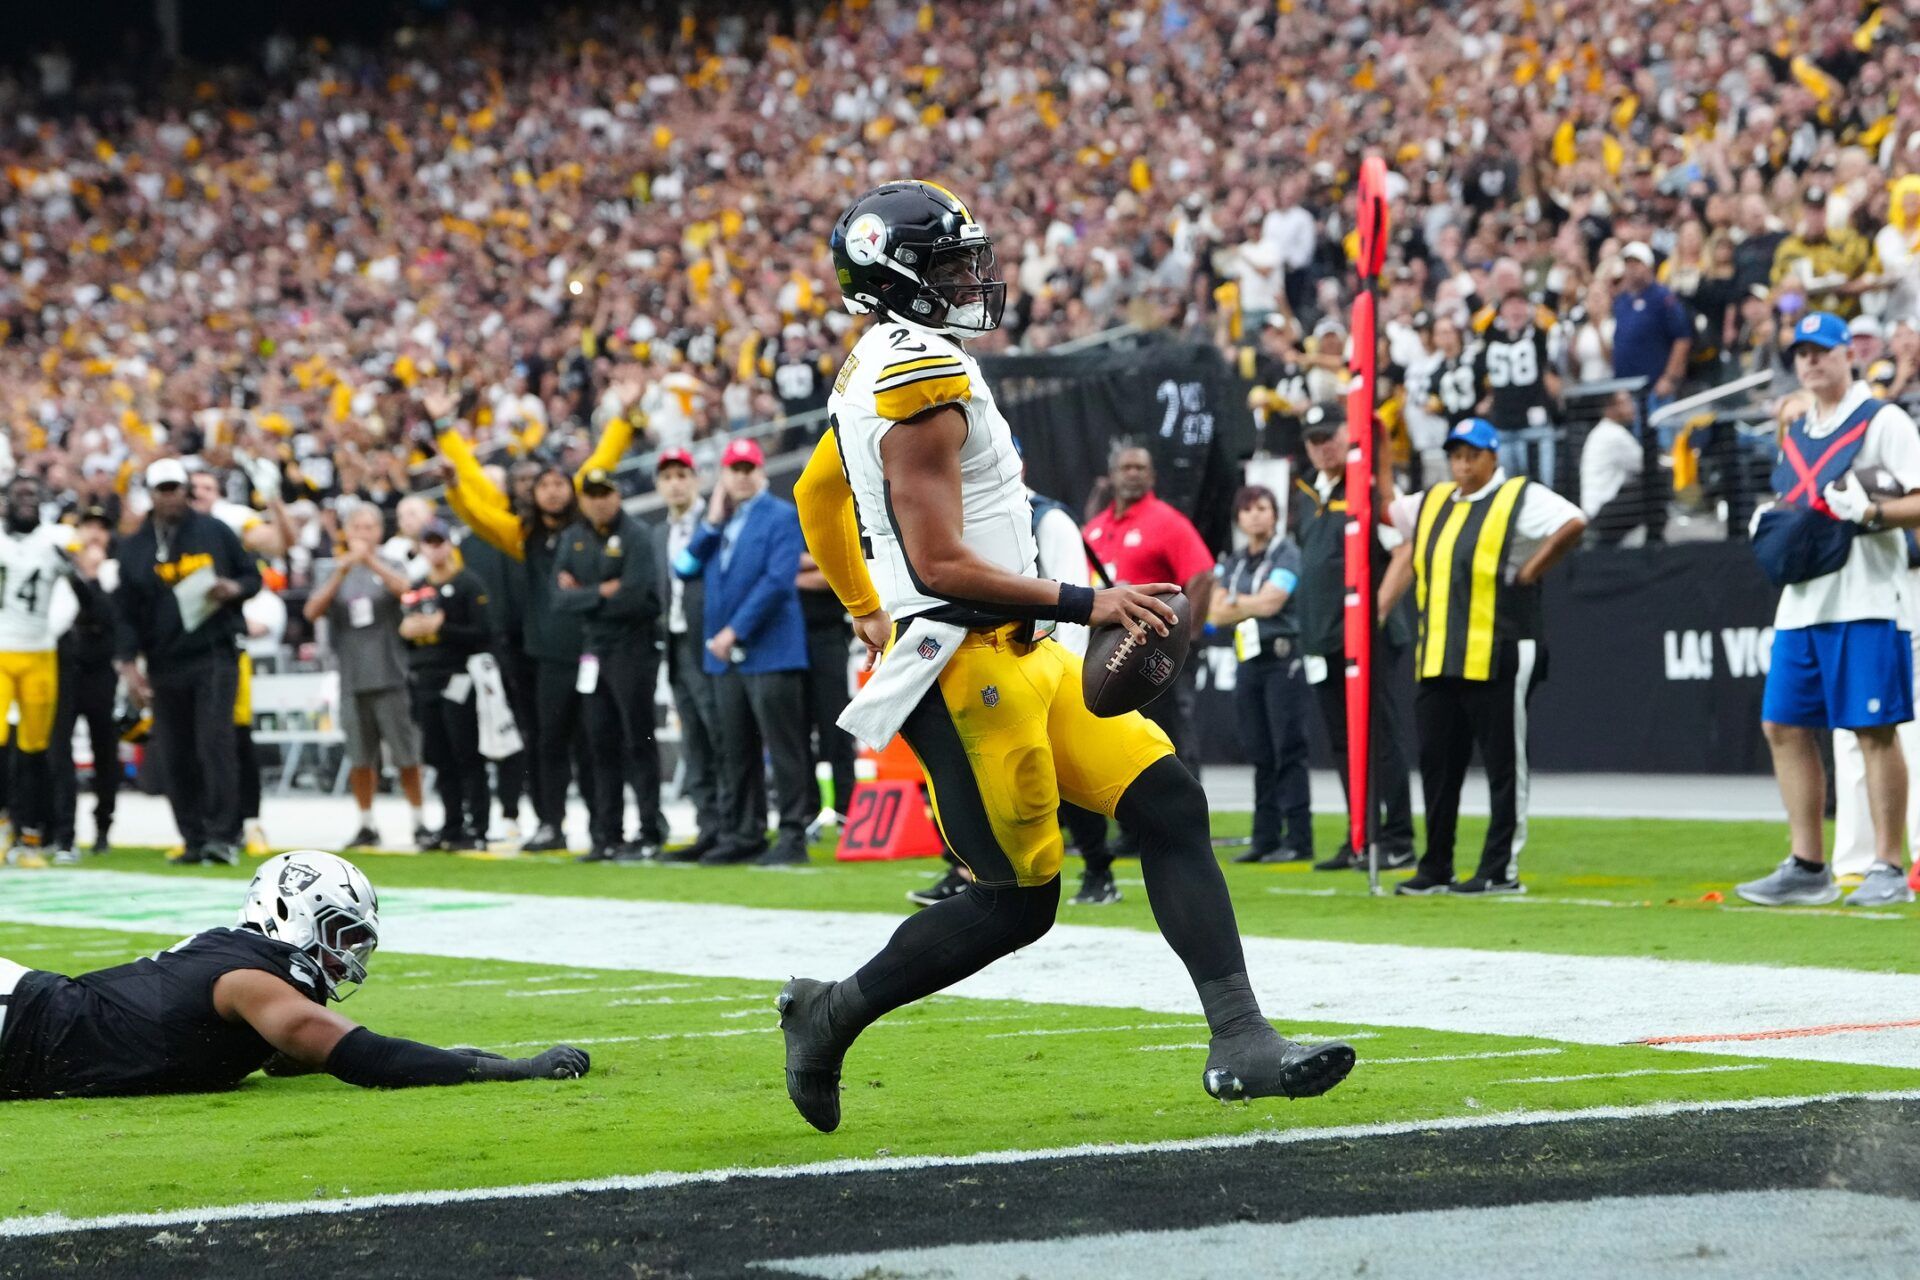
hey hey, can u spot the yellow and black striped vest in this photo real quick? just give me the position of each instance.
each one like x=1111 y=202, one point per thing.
x=1466 y=604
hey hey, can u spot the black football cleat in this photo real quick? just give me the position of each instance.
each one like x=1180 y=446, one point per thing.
x=1261 y=1063
x=813 y=1051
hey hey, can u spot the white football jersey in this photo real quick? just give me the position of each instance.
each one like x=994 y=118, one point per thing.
x=33 y=572
x=898 y=371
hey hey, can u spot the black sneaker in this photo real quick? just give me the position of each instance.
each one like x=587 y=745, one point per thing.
x=101 y=844
x=1343 y=859
x=1097 y=889
x=1259 y=1062
x=950 y=885
x=599 y=853
x=1285 y=854
x=1422 y=885
x=637 y=851
x=545 y=840
x=814 y=1053
x=1253 y=854
x=427 y=840
x=219 y=851
x=784 y=854
x=1482 y=885
x=464 y=841
x=189 y=856
x=690 y=852
x=731 y=855
x=364 y=838
x=1395 y=859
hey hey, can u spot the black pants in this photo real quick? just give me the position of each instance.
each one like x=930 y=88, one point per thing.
x=248 y=780
x=1392 y=789
x=693 y=698
x=620 y=723
x=768 y=709
x=827 y=697
x=86 y=693
x=450 y=742
x=1455 y=716
x=1626 y=511
x=1270 y=702
x=193 y=727
x=563 y=751
x=517 y=677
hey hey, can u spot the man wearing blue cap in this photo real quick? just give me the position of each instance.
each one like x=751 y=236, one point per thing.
x=1840 y=660
x=1475 y=549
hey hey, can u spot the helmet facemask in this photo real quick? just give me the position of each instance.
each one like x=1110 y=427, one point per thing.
x=343 y=943
x=962 y=294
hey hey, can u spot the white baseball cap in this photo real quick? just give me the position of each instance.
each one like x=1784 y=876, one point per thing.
x=1639 y=252
x=165 y=471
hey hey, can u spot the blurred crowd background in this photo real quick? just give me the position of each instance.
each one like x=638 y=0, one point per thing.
x=271 y=263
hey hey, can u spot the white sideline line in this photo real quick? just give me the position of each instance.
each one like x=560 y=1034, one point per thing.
x=57 y=1223
x=595 y=991
x=1462 y=1057
x=1642 y=1071
x=1083 y=1031
x=1295 y=1033
x=614 y=1004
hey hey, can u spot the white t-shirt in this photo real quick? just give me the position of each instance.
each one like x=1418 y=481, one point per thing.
x=1542 y=513
x=1063 y=555
x=1872 y=583
x=1610 y=458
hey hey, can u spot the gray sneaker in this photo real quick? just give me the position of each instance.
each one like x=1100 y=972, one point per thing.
x=1884 y=886
x=1792 y=885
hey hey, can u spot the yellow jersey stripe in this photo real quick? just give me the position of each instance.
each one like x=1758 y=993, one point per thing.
x=914 y=366
x=917 y=395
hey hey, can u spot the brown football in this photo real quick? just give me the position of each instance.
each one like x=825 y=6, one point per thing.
x=1121 y=674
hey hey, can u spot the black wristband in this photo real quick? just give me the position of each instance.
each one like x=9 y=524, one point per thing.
x=375 y=1061
x=1076 y=604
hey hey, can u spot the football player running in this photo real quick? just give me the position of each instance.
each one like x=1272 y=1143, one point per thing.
x=207 y=1013
x=37 y=603
x=915 y=509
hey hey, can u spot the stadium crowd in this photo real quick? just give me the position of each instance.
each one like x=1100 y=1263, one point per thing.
x=338 y=277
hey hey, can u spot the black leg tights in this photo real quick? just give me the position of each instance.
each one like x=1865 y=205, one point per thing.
x=935 y=948
x=1168 y=809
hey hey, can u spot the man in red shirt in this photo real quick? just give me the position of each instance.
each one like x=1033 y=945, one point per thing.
x=1139 y=538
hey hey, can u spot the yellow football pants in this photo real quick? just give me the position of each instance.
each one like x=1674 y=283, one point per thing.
x=33 y=681
x=1007 y=737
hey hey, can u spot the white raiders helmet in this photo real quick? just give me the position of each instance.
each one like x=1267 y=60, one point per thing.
x=320 y=904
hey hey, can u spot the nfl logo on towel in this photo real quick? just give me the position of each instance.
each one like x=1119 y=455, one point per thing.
x=991 y=695
x=929 y=648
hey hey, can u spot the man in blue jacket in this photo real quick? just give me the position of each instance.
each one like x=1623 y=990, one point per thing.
x=747 y=553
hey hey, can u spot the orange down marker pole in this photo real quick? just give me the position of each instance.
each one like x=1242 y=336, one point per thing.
x=1372 y=227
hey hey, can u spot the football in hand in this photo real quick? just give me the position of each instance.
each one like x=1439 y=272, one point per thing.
x=1122 y=674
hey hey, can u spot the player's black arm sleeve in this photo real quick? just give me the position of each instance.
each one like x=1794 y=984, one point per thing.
x=374 y=1061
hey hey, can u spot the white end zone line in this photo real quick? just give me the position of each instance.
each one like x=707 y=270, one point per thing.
x=49 y=1224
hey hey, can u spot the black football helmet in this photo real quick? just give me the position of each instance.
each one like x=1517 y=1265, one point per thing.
x=910 y=250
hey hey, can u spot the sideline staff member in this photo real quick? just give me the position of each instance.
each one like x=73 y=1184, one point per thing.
x=1476 y=549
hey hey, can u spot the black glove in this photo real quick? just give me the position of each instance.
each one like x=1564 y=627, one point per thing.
x=562 y=1062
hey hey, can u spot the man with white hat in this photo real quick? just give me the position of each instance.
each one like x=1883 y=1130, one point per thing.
x=183 y=577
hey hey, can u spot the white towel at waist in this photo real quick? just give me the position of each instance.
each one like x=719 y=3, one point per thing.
x=902 y=678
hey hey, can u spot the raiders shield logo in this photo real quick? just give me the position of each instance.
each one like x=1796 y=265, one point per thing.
x=295 y=878
x=1157 y=667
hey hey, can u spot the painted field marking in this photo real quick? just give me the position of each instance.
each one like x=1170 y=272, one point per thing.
x=1297 y=1034
x=596 y=991
x=1084 y=1031
x=1785 y=1033
x=1462 y=1057
x=614 y=1004
x=57 y=1223
x=1643 y=1071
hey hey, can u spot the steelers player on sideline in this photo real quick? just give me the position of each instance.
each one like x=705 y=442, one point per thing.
x=37 y=603
x=210 y=1011
x=916 y=490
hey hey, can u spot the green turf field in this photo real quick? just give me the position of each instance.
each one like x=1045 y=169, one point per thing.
x=687 y=1075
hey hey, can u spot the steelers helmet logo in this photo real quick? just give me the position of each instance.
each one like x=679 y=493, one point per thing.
x=867 y=239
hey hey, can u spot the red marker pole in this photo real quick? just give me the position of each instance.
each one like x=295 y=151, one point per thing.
x=1372 y=227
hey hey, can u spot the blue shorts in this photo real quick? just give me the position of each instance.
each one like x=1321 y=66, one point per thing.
x=1840 y=675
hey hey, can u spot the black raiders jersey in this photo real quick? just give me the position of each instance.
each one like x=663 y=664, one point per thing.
x=801 y=383
x=145 y=1027
x=1287 y=380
